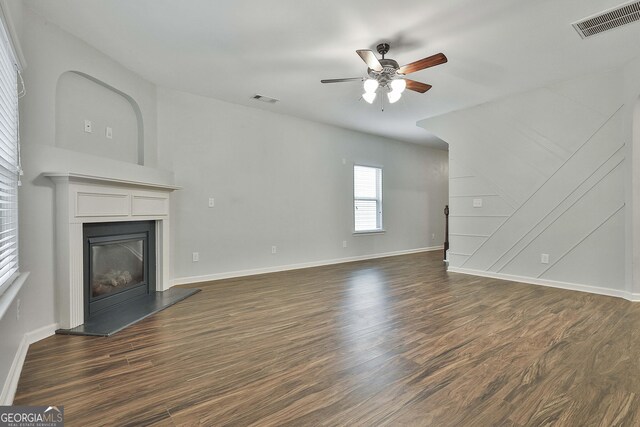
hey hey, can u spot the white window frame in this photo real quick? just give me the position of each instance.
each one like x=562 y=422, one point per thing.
x=378 y=199
x=11 y=279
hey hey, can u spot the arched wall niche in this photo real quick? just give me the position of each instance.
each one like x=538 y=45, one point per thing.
x=81 y=97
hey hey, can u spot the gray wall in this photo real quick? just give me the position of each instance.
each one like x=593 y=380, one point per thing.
x=281 y=181
x=630 y=94
x=79 y=98
x=52 y=52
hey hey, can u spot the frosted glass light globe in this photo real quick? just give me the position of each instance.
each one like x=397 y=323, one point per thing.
x=370 y=85
x=399 y=85
x=369 y=97
x=394 y=96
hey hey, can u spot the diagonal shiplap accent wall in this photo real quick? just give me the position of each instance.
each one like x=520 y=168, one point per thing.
x=549 y=167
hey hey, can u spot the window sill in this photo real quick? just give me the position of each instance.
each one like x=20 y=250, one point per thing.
x=363 y=233
x=11 y=292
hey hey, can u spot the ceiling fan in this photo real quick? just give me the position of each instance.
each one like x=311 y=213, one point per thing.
x=388 y=75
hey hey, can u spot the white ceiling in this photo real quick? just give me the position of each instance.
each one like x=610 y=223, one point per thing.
x=231 y=50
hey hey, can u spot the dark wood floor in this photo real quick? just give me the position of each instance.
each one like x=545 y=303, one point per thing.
x=395 y=341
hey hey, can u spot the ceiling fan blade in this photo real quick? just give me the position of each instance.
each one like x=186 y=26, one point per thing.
x=350 y=79
x=430 y=61
x=417 y=86
x=370 y=58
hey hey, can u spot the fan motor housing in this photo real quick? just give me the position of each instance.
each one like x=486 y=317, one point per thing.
x=389 y=63
x=389 y=71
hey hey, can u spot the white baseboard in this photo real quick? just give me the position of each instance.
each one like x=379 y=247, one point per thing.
x=253 y=272
x=633 y=297
x=11 y=382
x=41 y=333
x=550 y=283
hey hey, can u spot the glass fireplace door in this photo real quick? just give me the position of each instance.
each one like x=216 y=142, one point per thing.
x=116 y=266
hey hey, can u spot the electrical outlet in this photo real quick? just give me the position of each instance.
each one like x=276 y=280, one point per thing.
x=544 y=258
x=18 y=309
x=477 y=203
x=88 y=127
x=108 y=132
x=195 y=257
x=344 y=243
x=433 y=236
x=211 y=202
x=274 y=249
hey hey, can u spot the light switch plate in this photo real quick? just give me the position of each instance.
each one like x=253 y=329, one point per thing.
x=108 y=132
x=88 y=128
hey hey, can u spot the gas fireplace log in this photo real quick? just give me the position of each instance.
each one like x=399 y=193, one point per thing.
x=104 y=283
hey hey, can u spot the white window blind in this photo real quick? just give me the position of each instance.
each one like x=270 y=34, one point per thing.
x=367 y=198
x=9 y=162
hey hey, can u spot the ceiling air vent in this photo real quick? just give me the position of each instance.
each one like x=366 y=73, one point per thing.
x=264 y=99
x=608 y=20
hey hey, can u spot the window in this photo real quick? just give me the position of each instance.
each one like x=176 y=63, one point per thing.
x=367 y=198
x=9 y=162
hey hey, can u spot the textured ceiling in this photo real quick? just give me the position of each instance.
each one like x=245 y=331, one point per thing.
x=231 y=50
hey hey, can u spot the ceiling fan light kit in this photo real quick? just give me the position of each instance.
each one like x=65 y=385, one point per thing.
x=370 y=85
x=386 y=74
x=398 y=85
x=394 y=96
x=369 y=97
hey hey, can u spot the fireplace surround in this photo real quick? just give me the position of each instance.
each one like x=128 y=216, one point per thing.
x=85 y=199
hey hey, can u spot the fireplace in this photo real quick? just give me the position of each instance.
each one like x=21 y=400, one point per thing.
x=112 y=253
x=119 y=260
x=83 y=200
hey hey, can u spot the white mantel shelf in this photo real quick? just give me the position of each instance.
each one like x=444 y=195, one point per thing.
x=110 y=181
x=82 y=199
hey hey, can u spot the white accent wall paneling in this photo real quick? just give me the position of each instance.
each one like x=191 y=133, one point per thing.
x=549 y=165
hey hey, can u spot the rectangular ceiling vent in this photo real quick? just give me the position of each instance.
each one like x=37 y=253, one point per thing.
x=608 y=20
x=265 y=99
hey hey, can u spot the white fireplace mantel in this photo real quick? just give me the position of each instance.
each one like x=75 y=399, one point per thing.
x=81 y=199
